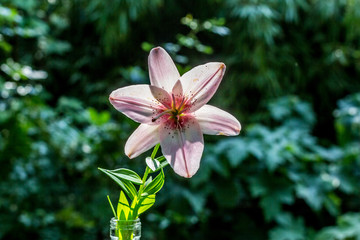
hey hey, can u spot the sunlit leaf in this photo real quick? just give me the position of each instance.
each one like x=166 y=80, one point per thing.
x=125 y=185
x=125 y=174
x=123 y=207
x=146 y=203
x=155 y=185
x=157 y=163
x=153 y=164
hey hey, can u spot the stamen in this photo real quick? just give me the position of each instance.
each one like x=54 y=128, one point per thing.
x=181 y=104
x=182 y=107
x=161 y=114
x=179 y=113
x=173 y=104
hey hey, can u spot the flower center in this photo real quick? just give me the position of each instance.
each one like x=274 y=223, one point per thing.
x=175 y=113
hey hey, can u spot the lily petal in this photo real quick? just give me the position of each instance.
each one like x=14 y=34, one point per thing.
x=177 y=90
x=183 y=147
x=143 y=138
x=162 y=70
x=141 y=102
x=214 y=121
x=200 y=83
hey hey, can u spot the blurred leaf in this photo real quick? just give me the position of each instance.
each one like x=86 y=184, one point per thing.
x=293 y=229
x=9 y=15
x=236 y=150
x=312 y=192
x=134 y=74
x=273 y=193
x=348 y=119
x=5 y=46
x=196 y=200
x=98 y=118
x=291 y=106
x=21 y=72
x=348 y=227
x=146 y=46
x=54 y=46
x=227 y=193
x=218 y=165
x=72 y=218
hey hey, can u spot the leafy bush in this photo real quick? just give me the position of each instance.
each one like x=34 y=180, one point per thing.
x=291 y=79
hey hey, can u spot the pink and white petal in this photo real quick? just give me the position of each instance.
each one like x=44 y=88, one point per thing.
x=200 y=83
x=214 y=121
x=162 y=70
x=141 y=103
x=177 y=90
x=183 y=147
x=143 y=138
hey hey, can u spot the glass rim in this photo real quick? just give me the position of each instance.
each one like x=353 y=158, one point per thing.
x=113 y=219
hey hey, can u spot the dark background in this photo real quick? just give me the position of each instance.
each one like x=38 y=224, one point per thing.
x=292 y=80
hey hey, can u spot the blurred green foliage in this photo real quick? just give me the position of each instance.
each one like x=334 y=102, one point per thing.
x=292 y=81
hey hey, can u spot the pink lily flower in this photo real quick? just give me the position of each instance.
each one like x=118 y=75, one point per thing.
x=173 y=111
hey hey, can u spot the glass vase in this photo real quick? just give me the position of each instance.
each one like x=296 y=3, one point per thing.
x=125 y=229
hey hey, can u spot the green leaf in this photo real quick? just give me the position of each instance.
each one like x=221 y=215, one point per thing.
x=126 y=185
x=273 y=192
x=312 y=192
x=348 y=227
x=98 y=118
x=157 y=163
x=149 y=180
x=155 y=185
x=130 y=187
x=292 y=230
x=156 y=148
x=271 y=206
x=218 y=165
x=146 y=46
x=122 y=216
x=163 y=162
x=196 y=200
x=153 y=164
x=235 y=149
x=123 y=207
x=146 y=203
x=124 y=173
x=133 y=209
x=112 y=207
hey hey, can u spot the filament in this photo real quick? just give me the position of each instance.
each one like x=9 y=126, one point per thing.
x=161 y=114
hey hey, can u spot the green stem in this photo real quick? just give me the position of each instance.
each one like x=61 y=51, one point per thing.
x=111 y=206
x=156 y=148
x=146 y=173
